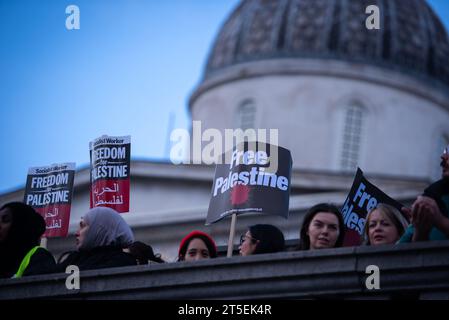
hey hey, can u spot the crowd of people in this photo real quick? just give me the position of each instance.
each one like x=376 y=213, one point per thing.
x=104 y=239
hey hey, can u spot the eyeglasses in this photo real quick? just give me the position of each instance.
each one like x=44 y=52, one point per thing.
x=243 y=237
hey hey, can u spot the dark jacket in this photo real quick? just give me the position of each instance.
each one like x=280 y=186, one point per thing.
x=25 y=232
x=439 y=191
x=98 y=258
x=41 y=262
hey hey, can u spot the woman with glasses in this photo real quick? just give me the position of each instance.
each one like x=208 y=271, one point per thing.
x=261 y=238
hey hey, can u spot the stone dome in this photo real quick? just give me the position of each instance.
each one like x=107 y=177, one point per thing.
x=411 y=38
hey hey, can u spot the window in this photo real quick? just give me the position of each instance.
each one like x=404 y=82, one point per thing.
x=246 y=115
x=353 y=123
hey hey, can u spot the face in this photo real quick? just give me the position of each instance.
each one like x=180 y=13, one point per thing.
x=381 y=230
x=196 y=250
x=247 y=244
x=5 y=223
x=323 y=231
x=81 y=233
x=445 y=162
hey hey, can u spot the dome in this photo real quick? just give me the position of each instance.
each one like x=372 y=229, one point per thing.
x=411 y=38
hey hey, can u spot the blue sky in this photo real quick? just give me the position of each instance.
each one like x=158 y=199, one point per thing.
x=131 y=65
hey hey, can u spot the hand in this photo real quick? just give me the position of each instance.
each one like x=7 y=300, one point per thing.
x=428 y=207
x=425 y=215
x=407 y=213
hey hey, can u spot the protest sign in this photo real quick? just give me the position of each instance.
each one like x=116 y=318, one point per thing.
x=363 y=197
x=250 y=183
x=49 y=191
x=110 y=172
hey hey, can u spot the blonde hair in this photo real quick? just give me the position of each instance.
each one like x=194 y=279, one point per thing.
x=393 y=214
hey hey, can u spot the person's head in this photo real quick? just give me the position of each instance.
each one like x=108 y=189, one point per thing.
x=20 y=225
x=144 y=253
x=102 y=226
x=261 y=238
x=384 y=225
x=5 y=223
x=445 y=162
x=197 y=245
x=322 y=228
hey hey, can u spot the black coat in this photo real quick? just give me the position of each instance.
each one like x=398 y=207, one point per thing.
x=41 y=262
x=25 y=232
x=98 y=258
x=439 y=191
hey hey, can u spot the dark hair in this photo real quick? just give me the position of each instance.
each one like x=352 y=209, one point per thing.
x=27 y=225
x=144 y=253
x=207 y=239
x=304 y=241
x=271 y=239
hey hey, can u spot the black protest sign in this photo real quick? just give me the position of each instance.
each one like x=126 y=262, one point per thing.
x=363 y=197
x=256 y=178
x=49 y=191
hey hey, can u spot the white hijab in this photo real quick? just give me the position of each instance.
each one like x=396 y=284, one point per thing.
x=106 y=227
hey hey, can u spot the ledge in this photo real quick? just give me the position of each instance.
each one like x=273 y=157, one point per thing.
x=418 y=270
x=400 y=79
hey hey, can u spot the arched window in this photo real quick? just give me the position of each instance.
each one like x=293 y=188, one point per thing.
x=246 y=115
x=442 y=142
x=352 y=135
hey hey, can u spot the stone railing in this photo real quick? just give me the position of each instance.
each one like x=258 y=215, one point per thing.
x=412 y=271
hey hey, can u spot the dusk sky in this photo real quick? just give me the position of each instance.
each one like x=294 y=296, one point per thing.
x=130 y=65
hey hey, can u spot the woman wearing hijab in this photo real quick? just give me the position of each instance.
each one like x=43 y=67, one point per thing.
x=100 y=240
x=21 y=228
